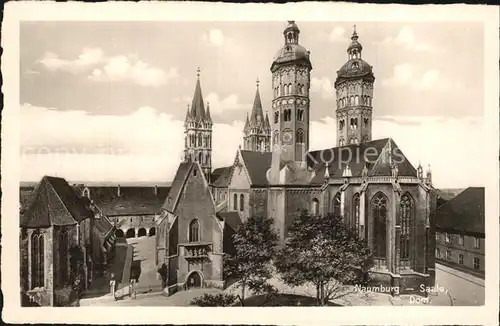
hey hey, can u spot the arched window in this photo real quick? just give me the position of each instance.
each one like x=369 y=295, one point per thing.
x=276 y=117
x=341 y=142
x=315 y=206
x=406 y=209
x=200 y=157
x=300 y=115
x=242 y=202
x=288 y=114
x=63 y=257
x=194 y=231
x=200 y=140
x=235 y=202
x=356 y=100
x=355 y=211
x=352 y=100
x=37 y=260
x=379 y=214
x=341 y=124
x=336 y=205
x=300 y=136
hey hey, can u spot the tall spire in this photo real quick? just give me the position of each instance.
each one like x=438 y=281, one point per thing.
x=354 y=49
x=257 y=114
x=267 y=125
x=188 y=115
x=197 y=107
x=208 y=117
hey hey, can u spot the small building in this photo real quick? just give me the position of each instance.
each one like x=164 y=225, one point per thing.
x=57 y=243
x=460 y=232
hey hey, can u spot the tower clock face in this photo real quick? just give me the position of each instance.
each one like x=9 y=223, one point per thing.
x=286 y=137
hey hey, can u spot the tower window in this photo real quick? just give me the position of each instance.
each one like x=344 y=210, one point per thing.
x=352 y=100
x=341 y=142
x=200 y=157
x=290 y=89
x=341 y=125
x=356 y=100
x=354 y=123
x=300 y=136
x=276 y=117
x=366 y=120
x=300 y=115
x=288 y=114
x=276 y=137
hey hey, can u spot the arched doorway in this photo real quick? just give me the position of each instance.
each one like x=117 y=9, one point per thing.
x=130 y=233
x=193 y=281
x=141 y=233
x=119 y=233
x=152 y=231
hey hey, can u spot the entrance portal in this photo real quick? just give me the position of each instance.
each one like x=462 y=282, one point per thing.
x=193 y=281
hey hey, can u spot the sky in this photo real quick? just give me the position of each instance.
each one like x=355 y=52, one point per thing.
x=105 y=101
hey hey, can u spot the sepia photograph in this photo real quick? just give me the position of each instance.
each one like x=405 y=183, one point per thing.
x=252 y=163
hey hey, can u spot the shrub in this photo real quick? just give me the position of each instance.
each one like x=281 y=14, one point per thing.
x=218 y=300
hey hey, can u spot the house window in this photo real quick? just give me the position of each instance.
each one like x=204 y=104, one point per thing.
x=242 y=202
x=406 y=209
x=438 y=253
x=476 y=263
x=460 y=239
x=461 y=259
x=194 y=231
x=300 y=136
x=315 y=206
x=477 y=243
x=37 y=260
x=235 y=202
x=63 y=257
x=447 y=238
x=379 y=213
x=355 y=203
x=336 y=205
x=448 y=255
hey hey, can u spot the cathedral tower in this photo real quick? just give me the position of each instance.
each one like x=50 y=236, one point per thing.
x=354 y=88
x=290 y=70
x=257 y=129
x=198 y=132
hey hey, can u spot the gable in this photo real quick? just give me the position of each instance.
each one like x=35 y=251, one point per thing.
x=239 y=177
x=257 y=164
x=195 y=190
x=177 y=186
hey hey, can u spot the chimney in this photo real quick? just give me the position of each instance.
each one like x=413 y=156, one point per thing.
x=156 y=191
x=118 y=191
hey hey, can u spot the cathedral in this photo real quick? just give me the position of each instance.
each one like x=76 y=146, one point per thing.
x=369 y=182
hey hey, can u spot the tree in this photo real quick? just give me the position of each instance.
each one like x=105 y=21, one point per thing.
x=251 y=262
x=217 y=300
x=325 y=252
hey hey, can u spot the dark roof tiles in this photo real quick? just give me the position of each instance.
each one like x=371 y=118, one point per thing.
x=220 y=177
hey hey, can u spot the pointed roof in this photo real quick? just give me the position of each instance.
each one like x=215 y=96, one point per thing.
x=188 y=114
x=257 y=108
x=197 y=106
x=54 y=202
x=247 y=123
x=177 y=185
x=208 y=117
x=267 y=124
x=463 y=213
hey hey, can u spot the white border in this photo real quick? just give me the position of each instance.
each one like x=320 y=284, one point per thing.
x=187 y=11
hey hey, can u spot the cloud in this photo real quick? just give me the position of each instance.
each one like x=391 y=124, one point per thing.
x=324 y=86
x=121 y=68
x=230 y=102
x=338 y=35
x=431 y=80
x=110 y=69
x=88 y=58
x=406 y=39
x=146 y=145
x=215 y=37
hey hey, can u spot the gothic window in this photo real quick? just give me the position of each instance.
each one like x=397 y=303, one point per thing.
x=288 y=114
x=379 y=214
x=354 y=123
x=336 y=205
x=200 y=157
x=289 y=88
x=194 y=231
x=315 y=206
x=341 y=125
x=276 y=116
x=406 y=208
x=242 y=202
x=300 y=136
x=366 y=120
x=341 y=142
x=63 y=257
x=235 y=202
x=207 y=158
x=355 y=210
x=300 y=115
x=37 y=260
x=356 y=100
x=199 y=140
